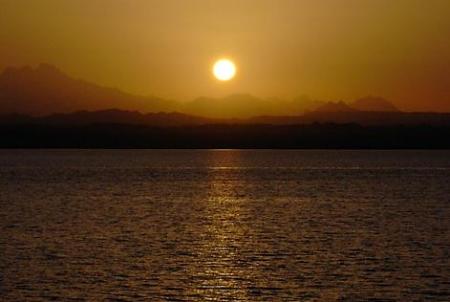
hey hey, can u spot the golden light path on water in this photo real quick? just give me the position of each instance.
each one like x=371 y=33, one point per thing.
x=224 y=237
x=239 y=258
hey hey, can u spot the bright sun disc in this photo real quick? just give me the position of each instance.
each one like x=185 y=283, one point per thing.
x=224 y=70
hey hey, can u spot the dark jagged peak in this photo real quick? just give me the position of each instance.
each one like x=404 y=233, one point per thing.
x=373 y=103
x=339 y=106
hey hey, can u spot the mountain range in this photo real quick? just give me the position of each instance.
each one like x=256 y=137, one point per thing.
x=46 y=89
x=46 y=95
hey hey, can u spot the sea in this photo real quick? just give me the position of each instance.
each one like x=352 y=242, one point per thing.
x=224 y=225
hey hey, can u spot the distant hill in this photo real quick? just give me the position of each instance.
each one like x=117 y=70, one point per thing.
x=237 y=105
x=45 y=90
x=367 y=104
x=377 y=118
x=247 y=106
x=377 y=104
x=115 y=116
x=111 y=116
x=335 y=107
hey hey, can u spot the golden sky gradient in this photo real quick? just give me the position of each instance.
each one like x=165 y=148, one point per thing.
x=328 y=49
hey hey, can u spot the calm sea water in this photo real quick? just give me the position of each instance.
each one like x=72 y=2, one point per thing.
x=224 y=225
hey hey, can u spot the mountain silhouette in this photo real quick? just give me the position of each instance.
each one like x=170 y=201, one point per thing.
x=46 y=89
x=248 y=106
x=161 y=119
x=366 y=104
x=335 y=107
x=43 y=107
x=46 y=95
x=111 y=116
x=371 y=103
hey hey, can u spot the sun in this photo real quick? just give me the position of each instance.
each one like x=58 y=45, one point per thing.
x=224 y=70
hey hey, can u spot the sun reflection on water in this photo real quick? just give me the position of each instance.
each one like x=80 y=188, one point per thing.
x=217 y=274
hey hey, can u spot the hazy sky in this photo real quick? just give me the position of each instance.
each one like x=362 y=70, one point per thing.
x=328 y=49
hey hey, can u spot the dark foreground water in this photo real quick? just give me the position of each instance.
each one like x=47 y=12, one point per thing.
x=225 y=225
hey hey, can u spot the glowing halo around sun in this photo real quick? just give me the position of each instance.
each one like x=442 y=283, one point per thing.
x=224 y=70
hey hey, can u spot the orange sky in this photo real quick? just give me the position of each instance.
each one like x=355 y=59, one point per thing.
x=341 y=49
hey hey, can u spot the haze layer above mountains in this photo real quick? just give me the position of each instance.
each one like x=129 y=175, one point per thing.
x=46 y=90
